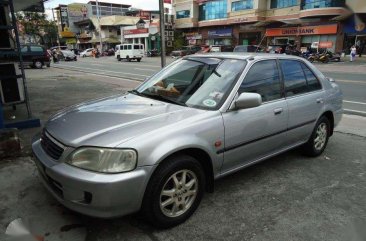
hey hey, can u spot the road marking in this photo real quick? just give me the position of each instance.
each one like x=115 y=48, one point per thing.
x=102 y=70
x=351 y=81
x=355 y=102
x=147 y=69
x=357 y=111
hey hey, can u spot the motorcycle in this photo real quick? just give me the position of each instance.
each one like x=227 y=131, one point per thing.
x=334 y=57
x=152 y=53
x=323 y=57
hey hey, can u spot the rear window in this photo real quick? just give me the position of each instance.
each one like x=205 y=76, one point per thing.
x=137 y=47
x=36 y=49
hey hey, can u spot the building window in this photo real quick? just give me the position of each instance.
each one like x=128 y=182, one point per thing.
x=241 y=5
x=213 y=10
x=283 y=3
x=183 y=14
x=310 y=4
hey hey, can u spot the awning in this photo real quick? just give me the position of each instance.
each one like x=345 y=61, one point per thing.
x=105 y=40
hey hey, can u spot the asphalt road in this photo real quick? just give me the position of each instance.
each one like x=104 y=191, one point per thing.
x=350 y=76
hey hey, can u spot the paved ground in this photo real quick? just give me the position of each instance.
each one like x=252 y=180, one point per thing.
x=289 y=197
x=350 y=76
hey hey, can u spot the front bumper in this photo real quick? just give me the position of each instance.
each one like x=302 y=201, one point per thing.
x=90 y=193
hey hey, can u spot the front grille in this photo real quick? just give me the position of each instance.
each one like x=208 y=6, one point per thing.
x=50 y=147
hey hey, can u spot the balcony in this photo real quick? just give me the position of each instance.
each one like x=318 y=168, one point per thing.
x=316 y=8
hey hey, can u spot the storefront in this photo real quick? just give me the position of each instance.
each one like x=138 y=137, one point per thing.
x=305 y=36
x=249 y=35
x=146 y=35
x=354 y=34
x=222 y=36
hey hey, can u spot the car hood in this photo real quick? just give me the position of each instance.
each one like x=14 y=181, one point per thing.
x=111 y=121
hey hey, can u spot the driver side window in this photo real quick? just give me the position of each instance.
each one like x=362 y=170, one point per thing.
x=263 y=78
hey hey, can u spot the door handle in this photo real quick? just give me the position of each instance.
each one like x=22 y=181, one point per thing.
x=277 y=111
x=319 y=101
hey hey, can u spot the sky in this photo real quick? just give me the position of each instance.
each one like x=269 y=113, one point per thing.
x=143 y=4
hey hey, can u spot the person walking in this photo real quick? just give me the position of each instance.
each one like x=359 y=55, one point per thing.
x=353 y=53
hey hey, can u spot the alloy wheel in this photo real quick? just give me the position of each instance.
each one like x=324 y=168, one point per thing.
x=321 y=136
x=178 y=193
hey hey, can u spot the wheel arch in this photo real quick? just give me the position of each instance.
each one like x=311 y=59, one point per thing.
x=330 y=116
x=202 y=157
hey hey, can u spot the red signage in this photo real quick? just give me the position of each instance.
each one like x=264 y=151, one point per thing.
x=309 y=30
x=325 y=45
x=144 y=15
x=168 y=1
x=135 y=31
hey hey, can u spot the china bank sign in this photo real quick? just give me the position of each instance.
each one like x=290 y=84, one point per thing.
x=308 y=30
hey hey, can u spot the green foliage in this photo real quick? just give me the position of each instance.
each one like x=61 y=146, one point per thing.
x=37 y=25
x=178 y=40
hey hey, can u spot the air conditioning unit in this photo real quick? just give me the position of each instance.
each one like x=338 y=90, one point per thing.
x=11 y=84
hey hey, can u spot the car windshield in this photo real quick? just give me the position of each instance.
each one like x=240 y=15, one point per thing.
x=202 y=83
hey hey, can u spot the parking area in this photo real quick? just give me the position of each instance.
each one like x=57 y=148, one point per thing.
x=289 y=197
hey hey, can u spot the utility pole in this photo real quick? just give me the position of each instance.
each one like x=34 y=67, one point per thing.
x=53 y=16
x=162 y=33
x=100 y=27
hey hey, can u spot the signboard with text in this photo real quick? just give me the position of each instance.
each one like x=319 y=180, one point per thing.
x=308 y=30
x=135 y=31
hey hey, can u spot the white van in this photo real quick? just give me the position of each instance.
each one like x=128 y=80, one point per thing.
x=129 y=52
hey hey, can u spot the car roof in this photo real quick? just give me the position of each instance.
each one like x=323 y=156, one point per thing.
x=243 y=56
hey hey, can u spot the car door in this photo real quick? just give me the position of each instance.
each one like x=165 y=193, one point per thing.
x=304 y=99
x=254 y=133
x=27 y=58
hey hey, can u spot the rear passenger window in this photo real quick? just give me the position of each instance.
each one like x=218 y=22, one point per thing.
x=294 y=78
x=313 y=82
x=129 y=46
x=136 y=47
x=24 y=49
x=263 y=78
x=36 y=49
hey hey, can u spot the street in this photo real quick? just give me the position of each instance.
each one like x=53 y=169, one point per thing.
x=350 y=76
x=288 y=197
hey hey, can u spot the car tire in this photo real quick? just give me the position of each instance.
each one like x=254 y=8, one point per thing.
x=128 y=59
x=139 y=60
x=319 y=138
x=37 y=64
x=118 y=58
x=180 y=200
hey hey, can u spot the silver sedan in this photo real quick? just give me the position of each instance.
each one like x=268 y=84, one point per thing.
x=159 y=147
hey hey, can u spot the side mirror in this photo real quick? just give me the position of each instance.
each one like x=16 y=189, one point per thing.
x=248 y=100
x=330 y=79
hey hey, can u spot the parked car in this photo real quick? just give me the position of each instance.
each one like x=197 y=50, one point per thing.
x=221 y=48
x=186 y=50
x=159 y=147
x=35 y=56
x=129 y=52
x=87 y=52
x=248 y=48
x=68 y=55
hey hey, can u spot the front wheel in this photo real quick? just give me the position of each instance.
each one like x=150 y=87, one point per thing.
x=139 y=60
x=37 y=64
x=319 y=138
x=174 y=191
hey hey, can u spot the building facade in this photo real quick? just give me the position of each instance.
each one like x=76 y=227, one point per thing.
x=263 y=22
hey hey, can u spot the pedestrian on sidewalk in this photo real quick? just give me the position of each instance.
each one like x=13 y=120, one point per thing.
x=353 y=53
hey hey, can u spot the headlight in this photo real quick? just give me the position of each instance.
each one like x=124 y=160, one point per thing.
x=103 y=159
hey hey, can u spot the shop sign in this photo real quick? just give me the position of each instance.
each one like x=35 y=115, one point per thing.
x=308 y=30
x=136 y=31
x=226 y=32
x=77 y=12
x=194 y=37
x=144 y=15
x=326 y=45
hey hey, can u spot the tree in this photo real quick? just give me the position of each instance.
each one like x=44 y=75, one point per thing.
x=38 y=27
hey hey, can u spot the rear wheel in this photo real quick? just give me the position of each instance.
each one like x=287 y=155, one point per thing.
x=174 y=191
x=139 y=59
x=37 y=64
x=319 y=138
x=118 y=58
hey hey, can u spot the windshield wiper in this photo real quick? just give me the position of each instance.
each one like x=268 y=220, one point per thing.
x=163 y=98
